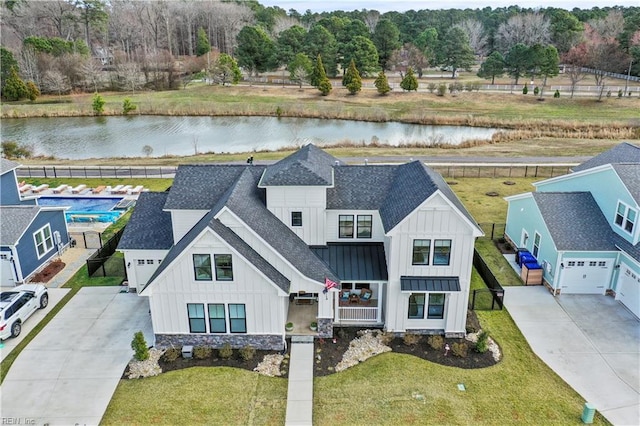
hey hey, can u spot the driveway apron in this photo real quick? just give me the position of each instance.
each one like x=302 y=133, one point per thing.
x=591 y=341
x=68 y=373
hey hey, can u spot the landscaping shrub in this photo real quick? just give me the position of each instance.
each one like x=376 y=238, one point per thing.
x=436 y=342
x=525 y=89
x=386 y=338
x=459 y=350
x=482 y=345
x=442 y=89
x=431 y=87
x=411 y=339
x=556 y=94
x=139 y=346
x=202 y=352
x=226 y=351
x=247 y=352
x=536 y=90
x=171 y=354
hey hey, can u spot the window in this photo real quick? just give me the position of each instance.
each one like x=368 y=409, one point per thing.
x=196 y=317
x=140 y=262
x=441 y=252
x=625 y=217
x=345 y=225
x=421 y=251
x=296 y=218
x=536 y=244
x=217 y=321
x=224 y=267
x=237 y=318
x=416 y=306
x=43 y=240
x=149 y=261
x=436 y=306
x=202 y=267
x=364 y=226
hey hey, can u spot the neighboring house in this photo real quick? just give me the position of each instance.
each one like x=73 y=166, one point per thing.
x=30 y=235
x=229 y=250
x=583 y=227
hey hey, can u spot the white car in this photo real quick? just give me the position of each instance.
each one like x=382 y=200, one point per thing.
x=17 y=305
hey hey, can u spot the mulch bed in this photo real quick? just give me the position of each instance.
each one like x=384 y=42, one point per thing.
x=48 y=272
x=328 y=354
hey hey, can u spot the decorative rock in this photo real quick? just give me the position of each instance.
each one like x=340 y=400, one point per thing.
x=270 y=366
x=362 y=348
x=491 y=344
x=147 y=368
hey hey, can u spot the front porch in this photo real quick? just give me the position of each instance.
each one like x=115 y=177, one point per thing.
x=358 y=312
x=302 y=315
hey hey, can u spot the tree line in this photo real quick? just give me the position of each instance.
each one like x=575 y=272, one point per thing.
x=63 y=45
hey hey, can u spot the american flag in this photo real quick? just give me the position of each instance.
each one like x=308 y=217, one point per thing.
x=328 y=284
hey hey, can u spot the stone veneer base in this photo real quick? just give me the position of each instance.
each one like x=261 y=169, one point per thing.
x=267 y=342
x=325 y=328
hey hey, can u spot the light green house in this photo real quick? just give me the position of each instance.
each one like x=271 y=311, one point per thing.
x=583 y=227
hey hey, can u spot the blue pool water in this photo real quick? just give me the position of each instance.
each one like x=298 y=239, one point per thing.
x=85 y=209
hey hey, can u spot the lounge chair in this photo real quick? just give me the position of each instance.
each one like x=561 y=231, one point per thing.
x=25 y=188
x=136 y=190
x=116 y=189
x=40 y=188
x=125 y=189
x=60 y=189
x=78 y=189
x=98 y=189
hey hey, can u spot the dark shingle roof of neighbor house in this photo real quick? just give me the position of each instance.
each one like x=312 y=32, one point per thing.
x=630 y=176
x=309 y=166
x=574 y=220
x=7 y=165
x=149 y=228
x=394 y=190
x=627 y=247
x=15 y=220
x=622 y=153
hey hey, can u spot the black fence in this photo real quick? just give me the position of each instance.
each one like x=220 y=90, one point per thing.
x=494 y=289
x=86 y=239
x=103 y=263
x=502 y=171
x=493 y=230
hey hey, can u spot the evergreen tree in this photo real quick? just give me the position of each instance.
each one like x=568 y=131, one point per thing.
x=202 y=44
x=300 y=69
x=97 y=104
x=325 y=86
x=456 y=51
x=14 y=88
x=493 y=67
x=382 y=84
x=318 y=73
x=409 y=82
x=32 y=91
x=7 y=61
x=351 y=79
x=225 y=70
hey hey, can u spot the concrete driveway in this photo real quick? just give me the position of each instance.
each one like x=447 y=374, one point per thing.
x=592 y=342
x=68 y=373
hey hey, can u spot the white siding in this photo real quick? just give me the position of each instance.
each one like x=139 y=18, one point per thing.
x=141 y=264
x=310 y=200
x=377 y=231
x=435 y=219
x=177 y=286
x=183 y=220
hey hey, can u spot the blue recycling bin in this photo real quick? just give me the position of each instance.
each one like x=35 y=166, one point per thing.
x=527 y=257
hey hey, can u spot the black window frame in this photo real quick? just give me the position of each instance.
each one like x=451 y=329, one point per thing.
x=202 y=267
x=364 y=227
x=436 y=260
x=223 y=267
x=344 y=226
x=193 y=319
x=218 y=320
x=234 y=321
x=435 y=309
x=296 y=218
x=415 y=304
x=419 y=250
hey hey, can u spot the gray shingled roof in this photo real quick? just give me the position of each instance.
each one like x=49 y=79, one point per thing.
x=309 y=166
x=360 y=187
x=15 y=220
x=7 y=165
x=574 y=221
x=200 y=187
x=622 y=153
x=355 y=261
x=630 y=176
x=627 y=247
x=149 y=227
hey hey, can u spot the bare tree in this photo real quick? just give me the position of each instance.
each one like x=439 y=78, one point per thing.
x=129 y=76
x=55 y=82
x=91 y=73
x=575 y=60
x=283 y=23
x=610 y=26
x=371 y=18
x=477 y=38
x=527 y=29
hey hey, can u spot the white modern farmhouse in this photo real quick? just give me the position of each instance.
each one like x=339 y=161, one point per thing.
x=230 y=251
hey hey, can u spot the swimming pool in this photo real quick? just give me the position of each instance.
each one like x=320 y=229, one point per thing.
x=84 y=209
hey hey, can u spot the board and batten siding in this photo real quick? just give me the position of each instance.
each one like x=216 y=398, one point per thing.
x=183 y=220
x=434 y=219
x=309 y=200
x=264 y=303
x=138 y=274
x=377 y=230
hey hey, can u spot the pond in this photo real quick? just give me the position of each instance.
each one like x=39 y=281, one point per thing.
x=99 y=137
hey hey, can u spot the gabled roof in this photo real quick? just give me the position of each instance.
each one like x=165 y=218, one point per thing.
x=149 y=227
x=7 y=165
x=575 y=221
x=309 y=166
x=630 y=176
x=622 y=153
x=15 y=221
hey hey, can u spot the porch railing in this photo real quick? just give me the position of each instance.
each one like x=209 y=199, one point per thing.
x=361 y=314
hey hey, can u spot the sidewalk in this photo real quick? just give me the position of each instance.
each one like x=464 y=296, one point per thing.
x=73 y=259
x=300 y=391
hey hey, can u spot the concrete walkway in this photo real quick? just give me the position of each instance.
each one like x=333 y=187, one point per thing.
x=300 y=391
x=591 y=341
x=73 y=259
x=68 y=373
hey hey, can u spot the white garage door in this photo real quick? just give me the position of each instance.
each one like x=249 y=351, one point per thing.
x=629 y=290
x=585 y=276
x=6 y=271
